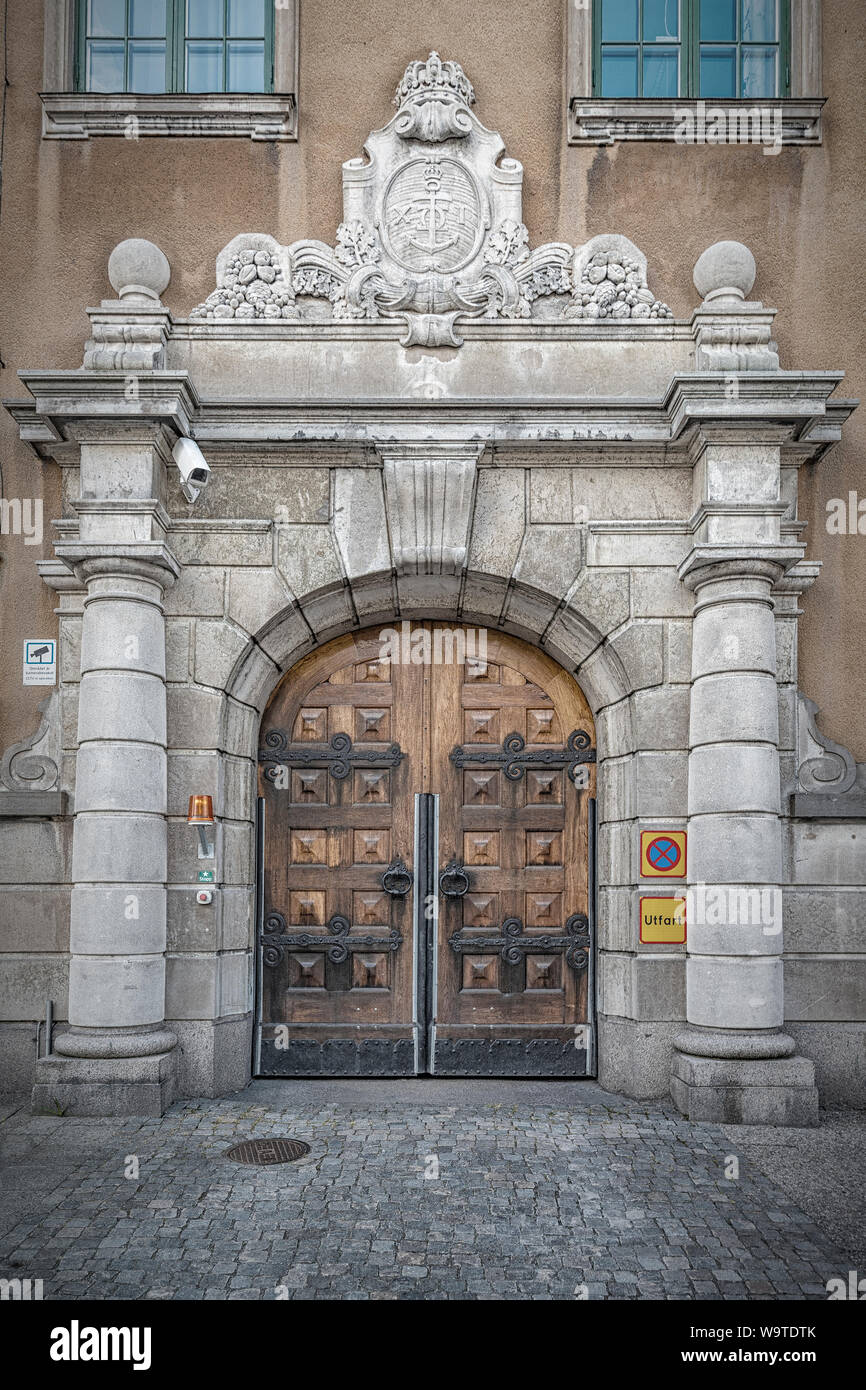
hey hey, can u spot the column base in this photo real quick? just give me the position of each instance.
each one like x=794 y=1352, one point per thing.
x=736 y=1091
x=104 y=1086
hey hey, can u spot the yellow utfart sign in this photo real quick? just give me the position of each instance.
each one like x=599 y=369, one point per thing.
x=663 y=920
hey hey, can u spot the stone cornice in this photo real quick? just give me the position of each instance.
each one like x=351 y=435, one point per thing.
x=472 y=330
x=792 y=409
x=130 y=401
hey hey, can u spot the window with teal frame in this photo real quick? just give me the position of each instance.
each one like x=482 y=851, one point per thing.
x=715 y=49
x=175 y=46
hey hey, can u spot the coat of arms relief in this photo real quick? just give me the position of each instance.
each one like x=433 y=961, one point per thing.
x=432 y=232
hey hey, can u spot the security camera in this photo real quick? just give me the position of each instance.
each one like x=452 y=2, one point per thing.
x=192 y=466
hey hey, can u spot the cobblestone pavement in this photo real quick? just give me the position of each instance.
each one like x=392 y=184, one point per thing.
x=544 y=1191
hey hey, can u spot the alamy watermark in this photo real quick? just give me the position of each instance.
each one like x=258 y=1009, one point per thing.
x=21 y=1290
x=846 y=516
x=733 y=905
x=733 y=125
x=445 y=646
x=853 y=1288
x=22 y=516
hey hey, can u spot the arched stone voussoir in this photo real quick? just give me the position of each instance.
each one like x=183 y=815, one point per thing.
x=486 y=600
x=592 y=658
x=257 y=595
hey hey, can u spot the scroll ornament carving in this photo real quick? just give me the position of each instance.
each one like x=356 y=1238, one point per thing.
x=32 y=764
x=432 y=233
x=824 y=766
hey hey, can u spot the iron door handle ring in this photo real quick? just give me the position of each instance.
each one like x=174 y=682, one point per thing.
x=397 y=879
x=454 y=880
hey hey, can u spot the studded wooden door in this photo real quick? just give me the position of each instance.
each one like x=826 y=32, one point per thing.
x=425 y=886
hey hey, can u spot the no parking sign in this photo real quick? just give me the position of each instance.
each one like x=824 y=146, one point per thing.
x=663 y=854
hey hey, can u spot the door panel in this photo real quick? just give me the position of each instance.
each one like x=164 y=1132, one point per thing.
x=340 y=757
x=358 y=975
x=513 y=957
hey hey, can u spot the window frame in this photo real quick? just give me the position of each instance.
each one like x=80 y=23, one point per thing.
x=689 y=45
x=593 y=121
x=640 y=44
x=71 y=114
x=175 y=53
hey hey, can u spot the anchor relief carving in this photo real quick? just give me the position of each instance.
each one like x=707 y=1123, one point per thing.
x=432 y=232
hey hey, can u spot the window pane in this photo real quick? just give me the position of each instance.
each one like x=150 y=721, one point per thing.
x=618 y=20
x=247 y=18
x=619 y=72
x=146 y=66
x=660 y=72
x=718 y=20
x=106 y=17
x=104 y=67
x=718 y=72
x=759 y=72
x=204 y=19
x=661 y=19
x=246 y=70
x=204 y=67
x=759 y=20
x=147 y=18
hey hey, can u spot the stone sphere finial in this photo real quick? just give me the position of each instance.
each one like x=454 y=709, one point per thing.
x=137 y=268
x=725 y=271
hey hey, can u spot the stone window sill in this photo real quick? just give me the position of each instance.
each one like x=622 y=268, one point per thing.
x=600 y=121
x=80 y=115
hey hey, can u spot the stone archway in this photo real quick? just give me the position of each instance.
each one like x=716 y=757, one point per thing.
x=571 y=640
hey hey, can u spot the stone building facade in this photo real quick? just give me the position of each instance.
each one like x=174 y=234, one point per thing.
x=434 y=417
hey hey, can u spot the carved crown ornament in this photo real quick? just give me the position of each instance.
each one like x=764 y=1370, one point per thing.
x=432 y=232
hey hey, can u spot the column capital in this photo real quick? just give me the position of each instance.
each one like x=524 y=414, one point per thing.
x=707 y=564
x=149 y=561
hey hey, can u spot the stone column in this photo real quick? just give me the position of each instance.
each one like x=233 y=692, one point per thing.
x=117 y=1050
x=734 y=1065
x=116 y=1057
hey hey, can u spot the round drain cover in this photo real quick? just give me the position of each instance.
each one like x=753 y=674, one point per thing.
x=263 y=1152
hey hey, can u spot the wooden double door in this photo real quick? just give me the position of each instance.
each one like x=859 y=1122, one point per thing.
x=425 y=850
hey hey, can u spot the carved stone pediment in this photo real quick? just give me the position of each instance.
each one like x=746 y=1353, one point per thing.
x=432 y=232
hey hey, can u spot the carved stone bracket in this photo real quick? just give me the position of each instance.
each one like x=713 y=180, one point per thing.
x=513 y=942
x=514 y=760
x=830 y=784
x=125 y=339
x=429 y=496
x=824 y=766
x=276 y=939
x=32 y=764
x=339 y=756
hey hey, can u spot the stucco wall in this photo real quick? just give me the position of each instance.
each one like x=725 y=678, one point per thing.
x=66 y=203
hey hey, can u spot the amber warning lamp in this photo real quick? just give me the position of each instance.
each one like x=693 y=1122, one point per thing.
x=201 y=814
